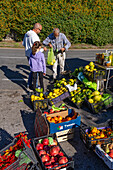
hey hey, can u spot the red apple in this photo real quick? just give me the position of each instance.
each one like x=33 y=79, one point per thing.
x=45 y=158
x=54 y=150
x=45 y=141
x=39 y=146
x=62 y=160
x=47 y=163
x=42 y=152
x=61 y=153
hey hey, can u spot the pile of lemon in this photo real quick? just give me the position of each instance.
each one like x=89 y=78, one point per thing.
x=90 y=67
x=34 y=97
x=95 y=97
x=57 y=92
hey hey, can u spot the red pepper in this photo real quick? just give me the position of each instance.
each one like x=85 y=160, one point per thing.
x=46 y=113
x=51 y=111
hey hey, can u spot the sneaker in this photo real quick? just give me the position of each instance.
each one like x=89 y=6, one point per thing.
x=53 y=81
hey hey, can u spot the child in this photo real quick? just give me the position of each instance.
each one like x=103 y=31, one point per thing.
x=37 y=64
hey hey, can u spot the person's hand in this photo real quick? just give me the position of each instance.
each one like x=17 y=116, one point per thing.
x=45 y=49
x=50 y=45
x=44 y=74
x=62 y=49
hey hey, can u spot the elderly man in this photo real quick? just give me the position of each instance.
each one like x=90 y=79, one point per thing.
x=29 y=38
x=60 y=44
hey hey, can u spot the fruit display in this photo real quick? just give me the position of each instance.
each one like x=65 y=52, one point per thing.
x=56 y=92
x=50 y=153
x=63 y=120
x=97 y=102
x=92 y=136
x=40 y=101
x=93 y=73
x=64 y=82
x=60 y=119
x=105 y=152
x=10 y=156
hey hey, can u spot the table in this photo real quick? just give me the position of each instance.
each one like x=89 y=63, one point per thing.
x=108 y=69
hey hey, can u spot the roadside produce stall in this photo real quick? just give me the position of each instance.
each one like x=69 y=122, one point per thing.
x=56 y=121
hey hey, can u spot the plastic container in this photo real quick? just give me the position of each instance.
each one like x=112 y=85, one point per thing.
x=59 y=98
x=69 y=165
x=91 y=142
x=98 y=107
x=22 y=161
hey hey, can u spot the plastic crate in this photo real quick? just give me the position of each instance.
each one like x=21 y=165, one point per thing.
x=69 y=165
x=99 y=74
x=59 y=98
x=104 y=156
x=22 y=161
x=98 y=107
x=42 y=104
x=91 y=142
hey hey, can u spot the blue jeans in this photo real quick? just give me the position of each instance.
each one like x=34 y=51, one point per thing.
x=31 y=77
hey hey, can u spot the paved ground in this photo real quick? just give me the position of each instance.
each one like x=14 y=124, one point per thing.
x=18 y=116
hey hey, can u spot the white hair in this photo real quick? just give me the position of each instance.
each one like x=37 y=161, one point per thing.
x=56 y=30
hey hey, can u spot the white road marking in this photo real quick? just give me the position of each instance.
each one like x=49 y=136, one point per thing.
x=86 y=58
x=12 y=57
x=6 y=79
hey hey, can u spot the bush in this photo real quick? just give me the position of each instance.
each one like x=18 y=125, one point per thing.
x=85 y=21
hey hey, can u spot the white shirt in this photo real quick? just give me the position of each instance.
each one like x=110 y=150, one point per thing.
x=29 y=38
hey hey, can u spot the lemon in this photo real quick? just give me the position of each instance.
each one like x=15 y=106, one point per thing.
x=32 y=97
x=54 y=61
x=50 y=94
x=87 y=67
x=51 y=63
x=36 y=98
x=96 y=93
x=91 y=63
x=41 y=94
x=90 y=101
x=97 y=98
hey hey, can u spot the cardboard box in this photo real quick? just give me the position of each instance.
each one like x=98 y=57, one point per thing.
x=53 y=128
x=104 y=156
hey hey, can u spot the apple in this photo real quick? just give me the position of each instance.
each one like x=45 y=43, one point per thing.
x=61 y=153
x=42 y=152
x=62 y=160
x=45 y=158
x=39 y=146
x=47 y=163
x=54 y=142
x=45 y=141
x=55 y=165
x=54 y=150
x=49 y=166
x=46 y=147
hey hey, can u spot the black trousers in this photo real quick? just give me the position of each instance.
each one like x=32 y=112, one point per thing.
x=34 y=74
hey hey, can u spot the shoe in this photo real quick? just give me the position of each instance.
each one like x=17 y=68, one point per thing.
x=53 y=81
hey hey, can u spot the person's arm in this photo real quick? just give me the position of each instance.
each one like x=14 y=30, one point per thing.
x=66 y=41
x=44 y=64
x=47 y=41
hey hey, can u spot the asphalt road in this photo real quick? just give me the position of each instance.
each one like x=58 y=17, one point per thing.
x=16 y=116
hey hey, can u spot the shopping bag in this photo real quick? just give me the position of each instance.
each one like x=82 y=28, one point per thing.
x=51 y=57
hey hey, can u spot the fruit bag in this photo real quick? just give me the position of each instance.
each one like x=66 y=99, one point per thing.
x=51 y=57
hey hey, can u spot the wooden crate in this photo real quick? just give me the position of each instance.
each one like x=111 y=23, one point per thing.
x=65 y=135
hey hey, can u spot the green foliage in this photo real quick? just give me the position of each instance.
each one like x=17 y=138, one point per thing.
x=86 y=21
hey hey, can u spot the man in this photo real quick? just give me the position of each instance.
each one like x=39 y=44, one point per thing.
x=29 y=38
x=60 y=44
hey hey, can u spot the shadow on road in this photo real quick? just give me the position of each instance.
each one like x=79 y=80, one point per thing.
x=14 y=76
x=5 y=138
x=24 y=68
x=28 y=121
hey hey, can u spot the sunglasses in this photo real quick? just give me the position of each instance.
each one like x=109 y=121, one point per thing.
x=39 y=29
